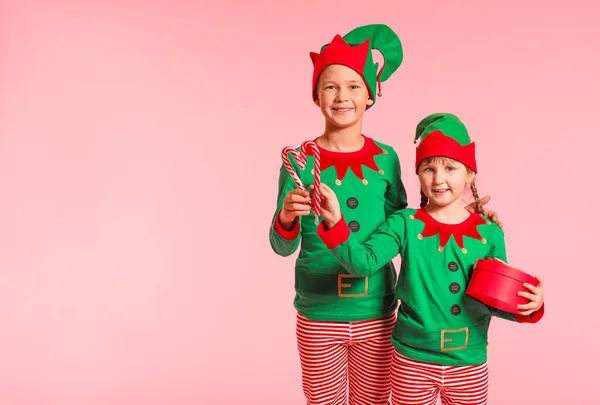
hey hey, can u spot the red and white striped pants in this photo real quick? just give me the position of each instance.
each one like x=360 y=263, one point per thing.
x=346 y=362
x=418 y=383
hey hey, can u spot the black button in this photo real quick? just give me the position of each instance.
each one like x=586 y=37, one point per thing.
x=455 y=310
x=454 y=288
x=352 y=202
x=452 y=266
x=354 y=226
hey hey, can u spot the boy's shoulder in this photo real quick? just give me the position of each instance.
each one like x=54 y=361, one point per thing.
x=387 y=148
x=391 y=157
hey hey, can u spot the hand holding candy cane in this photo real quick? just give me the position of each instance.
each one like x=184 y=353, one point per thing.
x=295 y=204
x=301 y=160
x=330 y=206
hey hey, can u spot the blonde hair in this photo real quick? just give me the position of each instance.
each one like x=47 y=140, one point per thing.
x=445 y=160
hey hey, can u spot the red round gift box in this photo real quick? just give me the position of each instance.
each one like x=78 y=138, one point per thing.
x=496 y=284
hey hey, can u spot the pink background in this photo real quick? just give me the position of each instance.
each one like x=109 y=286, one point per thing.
x=139 y=154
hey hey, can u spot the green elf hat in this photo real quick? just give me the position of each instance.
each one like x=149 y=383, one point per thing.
x=354 y=51
x=445 y=135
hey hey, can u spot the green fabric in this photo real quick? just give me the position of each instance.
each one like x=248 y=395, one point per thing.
x=423 y=287
x=316 y=269
x=449 y=124
x=386 y=41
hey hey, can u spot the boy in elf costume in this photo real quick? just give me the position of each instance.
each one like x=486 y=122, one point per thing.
x=440 y=335
x=344 y=322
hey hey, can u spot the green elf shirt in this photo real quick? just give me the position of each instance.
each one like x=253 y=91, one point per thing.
x=437 y=322
x=368 y=185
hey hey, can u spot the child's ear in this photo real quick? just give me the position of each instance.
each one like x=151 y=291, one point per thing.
x=370 y=101
x=317 y=102
x=470 y=177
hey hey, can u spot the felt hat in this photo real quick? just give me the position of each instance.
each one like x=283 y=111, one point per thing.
x=354 y=51
x=443 y=134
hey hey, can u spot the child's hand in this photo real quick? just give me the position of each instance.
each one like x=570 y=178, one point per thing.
x=492 y=215
x=536 y=298
x=330 y=206
x=295 y=204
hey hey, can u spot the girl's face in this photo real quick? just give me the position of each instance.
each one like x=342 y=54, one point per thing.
x=444 y=180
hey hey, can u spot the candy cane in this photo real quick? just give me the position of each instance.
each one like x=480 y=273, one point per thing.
x=301 y=159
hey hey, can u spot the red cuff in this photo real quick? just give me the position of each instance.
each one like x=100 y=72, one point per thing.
x=532 y=318
x=335 y=236
x=285 y=234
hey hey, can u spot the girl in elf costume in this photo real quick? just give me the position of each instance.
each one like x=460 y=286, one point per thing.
x=440 y=335
x=344 y=322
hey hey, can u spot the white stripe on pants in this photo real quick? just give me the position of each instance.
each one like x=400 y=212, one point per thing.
x=419 y=383
x=346 y=362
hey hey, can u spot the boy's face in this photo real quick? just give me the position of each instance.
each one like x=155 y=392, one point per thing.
x=342 y=96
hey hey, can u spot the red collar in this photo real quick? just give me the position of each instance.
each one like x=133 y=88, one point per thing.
x=352 y=160
x=466 y=228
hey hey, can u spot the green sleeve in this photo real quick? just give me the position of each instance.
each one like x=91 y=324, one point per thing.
x=395 y=195
x=383 y=245
x=284 y=244
x=498 y=251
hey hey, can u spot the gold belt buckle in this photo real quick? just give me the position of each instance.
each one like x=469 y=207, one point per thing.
x=446 y=338
x=342 y=285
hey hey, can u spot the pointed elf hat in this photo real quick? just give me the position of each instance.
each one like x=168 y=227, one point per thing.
x=354 y=51
x=444 y=135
